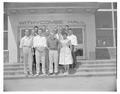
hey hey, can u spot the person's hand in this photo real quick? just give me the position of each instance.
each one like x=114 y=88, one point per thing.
x=47 y=48
x=41 y=48
x=75 y=49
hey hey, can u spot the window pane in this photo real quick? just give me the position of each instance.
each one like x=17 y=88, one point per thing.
x=103 y=19
x=116 y=37
x=5 y=41
x=102 y=53
x=79 y=33
x=115 y=5
x=6 y=56
x=115 y=19
x=105 y=6
x=5 y=22
x=104 y=38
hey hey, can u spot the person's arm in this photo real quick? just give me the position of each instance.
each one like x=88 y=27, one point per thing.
x=75 y=40
x=34 y=42
x=58 y=44
x=76 y=43
x=70 y=45
x=48 y=43
x=32 y=47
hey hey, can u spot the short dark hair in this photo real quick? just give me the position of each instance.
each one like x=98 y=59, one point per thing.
x=35 y=26
x=64 y=33
x=67 y=25
x=40 y=29
x=26 y=29
x=70 y=29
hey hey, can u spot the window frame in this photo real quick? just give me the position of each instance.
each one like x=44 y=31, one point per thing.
x=5 y=31
x=113 y=25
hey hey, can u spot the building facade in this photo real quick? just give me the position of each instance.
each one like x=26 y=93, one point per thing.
x=94 y=24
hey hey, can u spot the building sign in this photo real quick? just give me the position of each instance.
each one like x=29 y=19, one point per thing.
x=70 y=22
x=41 y=22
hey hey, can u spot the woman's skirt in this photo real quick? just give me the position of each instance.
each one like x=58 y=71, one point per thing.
x=65 y=56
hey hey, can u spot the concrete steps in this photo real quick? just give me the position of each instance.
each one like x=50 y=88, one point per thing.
x=86 y=68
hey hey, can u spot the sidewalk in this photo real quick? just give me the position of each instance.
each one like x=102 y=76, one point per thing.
x=105 y=83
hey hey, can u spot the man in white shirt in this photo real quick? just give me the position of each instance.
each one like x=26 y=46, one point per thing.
x=40 y=43
x=66 y=29
x=73 y=40
x=58 y=31
x=26 y=52
x=46 y=33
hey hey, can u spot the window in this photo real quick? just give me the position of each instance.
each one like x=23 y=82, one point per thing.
x=6 y=56
x=79 y=33
x=115 y=19
x=103 y=19
x=105 y=6
x=5 y=22
x=116 y=37
x=5 y=41
x=102 y=53
x=105 y=32
x=104 y=38
x=115 y=5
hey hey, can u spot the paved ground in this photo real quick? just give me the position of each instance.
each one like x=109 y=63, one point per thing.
x=107 y=83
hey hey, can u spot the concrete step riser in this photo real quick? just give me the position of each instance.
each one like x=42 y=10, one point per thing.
x=80 y=70
x=81 y=66
x=85 y=69
x=13 y=68
x=12 y=75
x=79 y=61
x=6 y=65
x=90 y=63
x=79 y=75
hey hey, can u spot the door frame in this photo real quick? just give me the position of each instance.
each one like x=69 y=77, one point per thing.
x=83 y=45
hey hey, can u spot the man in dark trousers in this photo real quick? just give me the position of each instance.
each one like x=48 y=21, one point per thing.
x=34 y=60
x=73 y=39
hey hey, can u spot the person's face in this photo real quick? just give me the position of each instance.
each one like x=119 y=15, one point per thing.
x=44 y=27
x=56 y=28
x=70 y=32
x=52 y=34
x=55 y=31
x=60 y=28
x=27 y=32
x=35 y=29
x=64 y=36
x=39 y=32
x=66 y=27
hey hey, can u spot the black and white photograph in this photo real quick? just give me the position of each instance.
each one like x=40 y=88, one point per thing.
x=59 y=46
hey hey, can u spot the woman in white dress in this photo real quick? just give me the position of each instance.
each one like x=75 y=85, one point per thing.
x=65 y=53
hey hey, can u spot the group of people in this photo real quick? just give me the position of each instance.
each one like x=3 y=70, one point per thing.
x=56 y=46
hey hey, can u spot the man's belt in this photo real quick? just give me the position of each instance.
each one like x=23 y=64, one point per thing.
x=53 y=48
x=27 y=46
x=40 y=50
